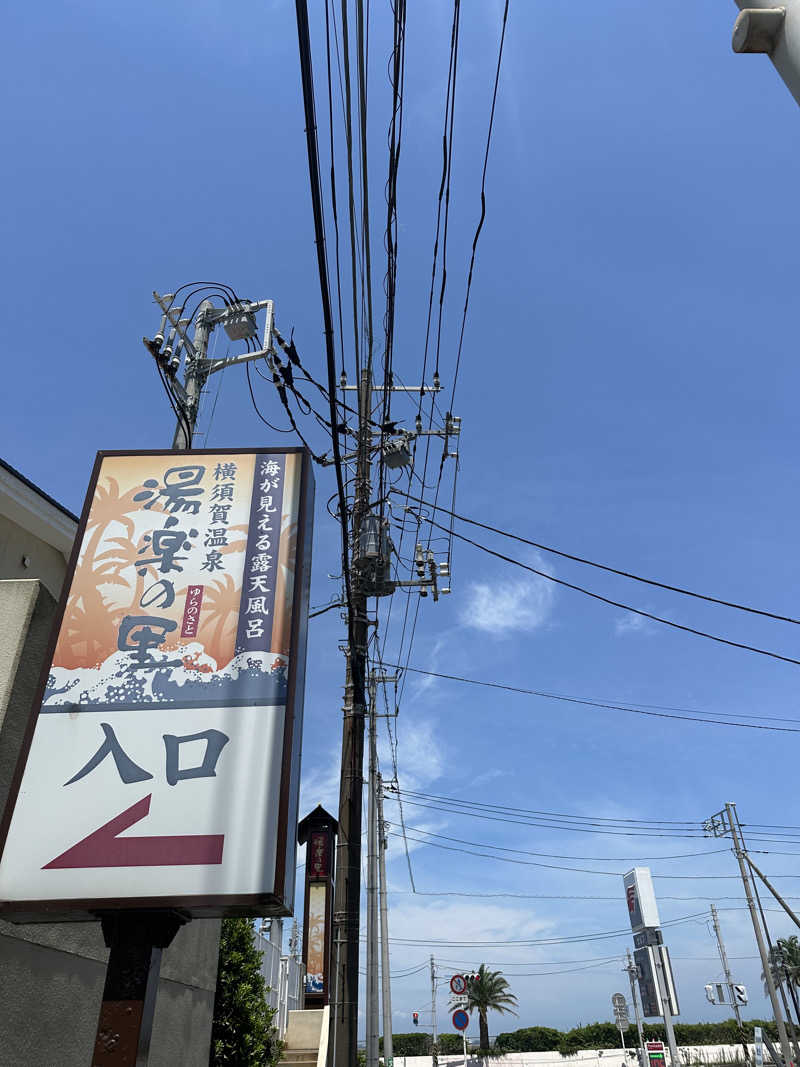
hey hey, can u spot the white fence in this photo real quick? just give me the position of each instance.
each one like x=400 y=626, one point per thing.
x=691 y=1056
x=284 y=976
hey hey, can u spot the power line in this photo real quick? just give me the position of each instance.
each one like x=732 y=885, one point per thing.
x=581 y=870
x=568 y=940
x=483 y=205
x=594 y=819
x=585 y=702
x=554 y=896
x=557 y=856
x=617 y=603
x=517 y=819
x=304 y=44
x=609 y=569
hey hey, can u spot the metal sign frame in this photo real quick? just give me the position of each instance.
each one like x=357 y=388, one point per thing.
x=277 y=901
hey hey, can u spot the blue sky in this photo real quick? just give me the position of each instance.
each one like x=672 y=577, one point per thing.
x=628 y=392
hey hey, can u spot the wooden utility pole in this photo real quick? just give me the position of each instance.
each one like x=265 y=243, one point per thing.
x=343 y=1046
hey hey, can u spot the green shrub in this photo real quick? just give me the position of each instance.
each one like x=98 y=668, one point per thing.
x=242 y=1034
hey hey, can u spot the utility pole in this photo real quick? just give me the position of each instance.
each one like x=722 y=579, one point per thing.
x=195 y=376
x=738 y=849
x=388 y=1050
x=372 y=886
x=630 y=967
x=666 y=1007
x=366 y=542
x=344 y=1013
x=239 y=321
x=435 y=1044
x=729 y=982
x=772 y=29
x=724 y=822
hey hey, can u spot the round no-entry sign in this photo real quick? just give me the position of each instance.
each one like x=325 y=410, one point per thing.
x=460 y=1019
x=458 y=984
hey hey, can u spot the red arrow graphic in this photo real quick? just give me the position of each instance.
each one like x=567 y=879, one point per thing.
x=105 y=848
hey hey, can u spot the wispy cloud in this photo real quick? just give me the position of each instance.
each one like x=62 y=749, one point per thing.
x=508 y=606
x=320 y=783
x=632 y=624
x=487 y=776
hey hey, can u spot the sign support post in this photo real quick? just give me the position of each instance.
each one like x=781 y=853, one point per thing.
x=631 y=969
x=136 y=940
x=666 y=1010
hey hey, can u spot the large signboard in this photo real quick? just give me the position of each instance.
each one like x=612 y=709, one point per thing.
x=649 y=961
x=161 y=765
x=641 y=898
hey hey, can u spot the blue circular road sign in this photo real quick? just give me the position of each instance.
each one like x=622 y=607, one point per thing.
x=460 y=1019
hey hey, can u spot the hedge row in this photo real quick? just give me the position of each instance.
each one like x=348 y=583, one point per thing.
x=606 y=1035
x=593 y=1036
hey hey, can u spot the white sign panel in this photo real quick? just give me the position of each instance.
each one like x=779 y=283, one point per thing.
x=163 y=765
x=641 y=899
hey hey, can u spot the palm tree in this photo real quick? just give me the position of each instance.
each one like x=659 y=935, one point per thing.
x=780 y=971
x=489 y=991
x=784 y=963
x=790 y=950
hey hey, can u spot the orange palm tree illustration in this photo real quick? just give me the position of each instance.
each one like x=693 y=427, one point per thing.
x=220 y=604
x=109 y=505
x=122 y=557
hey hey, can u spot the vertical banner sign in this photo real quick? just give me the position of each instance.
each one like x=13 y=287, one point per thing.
x=161 y=765
x=758 y=1037
x=318 y=832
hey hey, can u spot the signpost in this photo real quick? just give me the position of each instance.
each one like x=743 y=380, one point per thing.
x=461 y=1020
x=159 y=776
x=620 y=1007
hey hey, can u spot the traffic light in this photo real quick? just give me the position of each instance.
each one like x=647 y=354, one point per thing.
x=415 y=1017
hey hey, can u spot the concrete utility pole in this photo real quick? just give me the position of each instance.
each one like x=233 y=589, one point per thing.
x=630 y=967
x=435 y=1045
x=238 y=319
x=774 y=30
x=724 y=822
x=733 y=823
x=729 y=982
x=388 y=1050
x=195 y=377
x=372 y=885
x=369 y=577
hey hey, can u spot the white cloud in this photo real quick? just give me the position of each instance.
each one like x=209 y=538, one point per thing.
x=504 y=607
x=487 y=776
x=632 y=624
x=320 y=784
